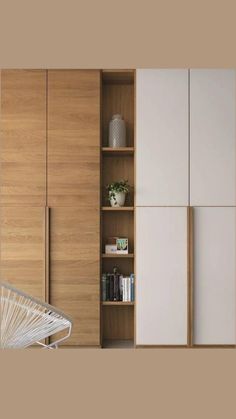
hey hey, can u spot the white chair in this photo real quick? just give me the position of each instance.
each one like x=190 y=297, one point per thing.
x=26 y=321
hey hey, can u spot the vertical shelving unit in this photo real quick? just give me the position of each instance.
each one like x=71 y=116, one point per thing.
x=117 y=318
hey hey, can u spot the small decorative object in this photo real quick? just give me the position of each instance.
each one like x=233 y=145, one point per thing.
x=122 y=245
x=117 y=132
x=110 y=248
x=117 y=193
x=117 y=245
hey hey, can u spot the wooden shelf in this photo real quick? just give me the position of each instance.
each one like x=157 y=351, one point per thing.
x=118 y=97
x=118 y=344
x=118 y=303
x=117 y=208
x=107 y=255
x=118 y=76
x=118 y=151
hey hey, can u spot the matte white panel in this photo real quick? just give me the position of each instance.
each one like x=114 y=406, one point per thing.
x=212 y=137
x=162 y=137
x=214 y=275
x=161 y=272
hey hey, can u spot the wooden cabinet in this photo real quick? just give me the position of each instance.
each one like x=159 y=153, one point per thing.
x=50 y=156
x=23 y=248
x=23 y=137
x=74 y=270
x=214 y=244
x=171 y=111
x=162 y=187
x=162 y=137
x=161 y=270
x=74 y=199
x=23 y=179
x=73 y=138
x=185 y=153
x=212 y=138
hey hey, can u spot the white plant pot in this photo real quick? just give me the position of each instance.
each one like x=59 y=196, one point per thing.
x=119 y=201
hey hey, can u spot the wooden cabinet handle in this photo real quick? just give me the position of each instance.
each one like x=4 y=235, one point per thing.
x=190 y=276
x=47 y=254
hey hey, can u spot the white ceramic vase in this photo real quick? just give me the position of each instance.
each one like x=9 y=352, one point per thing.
x=117 y=132
x=119 y=200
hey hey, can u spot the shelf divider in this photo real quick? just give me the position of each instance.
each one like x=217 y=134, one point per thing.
x=115 y=255
x=117 y=208
x=118 y=303
x=118 y=151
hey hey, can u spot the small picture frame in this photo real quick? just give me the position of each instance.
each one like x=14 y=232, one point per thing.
x=122 y=245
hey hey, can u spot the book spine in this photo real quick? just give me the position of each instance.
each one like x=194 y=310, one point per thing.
x=124 y=285
x=121 y=287
x=125 y=289
x=111 y=287
x=116 y=287
x=107 y=287
x=132 y=286
x=129 y=288
x=104 y=287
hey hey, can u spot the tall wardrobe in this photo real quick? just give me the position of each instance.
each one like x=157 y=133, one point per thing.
x=180 y=217
x=186 y=207
x=50 y=191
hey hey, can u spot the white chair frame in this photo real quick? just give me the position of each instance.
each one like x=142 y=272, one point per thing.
x=26 y=321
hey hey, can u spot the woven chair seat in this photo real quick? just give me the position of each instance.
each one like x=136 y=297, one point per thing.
x=26 y=321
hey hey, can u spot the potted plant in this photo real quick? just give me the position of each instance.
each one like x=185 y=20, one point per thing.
x=117 y=192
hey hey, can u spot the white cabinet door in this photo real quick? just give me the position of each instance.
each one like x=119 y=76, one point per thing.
x=161 y=272
x=214 y=275
x=162 y=137
x=212 y=138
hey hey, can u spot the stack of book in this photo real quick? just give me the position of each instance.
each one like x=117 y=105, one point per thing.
x=117 y=287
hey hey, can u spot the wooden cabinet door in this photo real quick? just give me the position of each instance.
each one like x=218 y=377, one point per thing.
x=161 y=271
x=74 y=270
x=212 y=138
x=23 y=249
x=214 y=276
x=23 y=137
x=73 y=138
x=162 y=137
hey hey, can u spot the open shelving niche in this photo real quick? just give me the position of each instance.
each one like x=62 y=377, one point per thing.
x=118 y=91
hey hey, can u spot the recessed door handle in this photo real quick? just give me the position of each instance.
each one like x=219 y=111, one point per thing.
x=47 y=253
x=190 y=275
